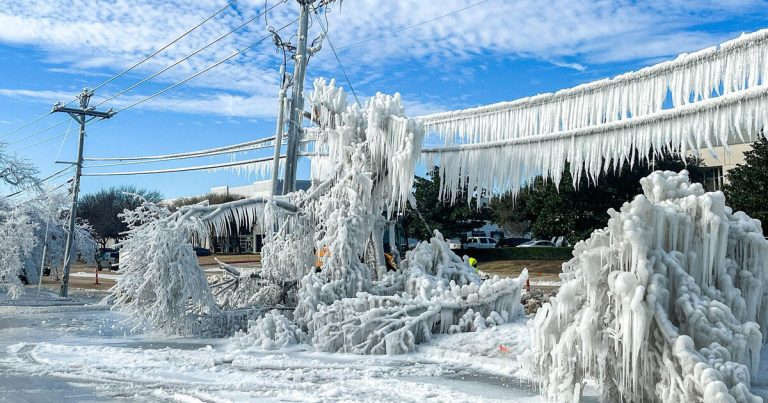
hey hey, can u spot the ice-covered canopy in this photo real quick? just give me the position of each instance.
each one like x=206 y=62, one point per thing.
x=714 y=95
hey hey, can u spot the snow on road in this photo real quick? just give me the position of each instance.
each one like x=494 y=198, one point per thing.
x=101 y=276
x=84 y=353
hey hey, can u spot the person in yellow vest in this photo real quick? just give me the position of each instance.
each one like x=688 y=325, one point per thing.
x=473 y=263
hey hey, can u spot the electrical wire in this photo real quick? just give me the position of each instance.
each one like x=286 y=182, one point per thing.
x=169 y=44
x=54 y=137
x=6 y=134
x=120 y=74
x=49 y=177
x=183 y=169
x=185 y=154
x=39 y=132
x=393 y=33
x=187 y=57
x=341 y=66
x=166 y=89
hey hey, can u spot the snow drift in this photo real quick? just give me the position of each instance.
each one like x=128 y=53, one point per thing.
x=668 y=303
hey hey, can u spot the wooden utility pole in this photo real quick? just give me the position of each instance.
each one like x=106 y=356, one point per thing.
x=80 y=115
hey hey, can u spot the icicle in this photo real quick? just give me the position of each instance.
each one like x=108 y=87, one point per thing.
x=506 y=165
x=735 y=66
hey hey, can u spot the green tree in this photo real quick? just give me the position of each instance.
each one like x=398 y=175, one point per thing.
x=576 y=212
x=101 y=209
x=748 y=183
x=450 y=220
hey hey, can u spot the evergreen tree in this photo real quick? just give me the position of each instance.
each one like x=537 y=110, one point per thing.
x=748 y=183
x=576 y=212
x=451 y=220
x=101 y=209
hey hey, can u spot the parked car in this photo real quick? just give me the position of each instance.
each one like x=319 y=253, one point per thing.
x=200 y=251
x=537 y=244
x=479 y=242
x=108 y=258
x=512 y=241
x=454 y=243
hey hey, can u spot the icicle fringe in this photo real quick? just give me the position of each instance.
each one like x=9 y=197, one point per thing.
x=506 y=165
x=733 y=66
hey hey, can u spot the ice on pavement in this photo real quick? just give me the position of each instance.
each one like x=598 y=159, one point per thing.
x=84 y=352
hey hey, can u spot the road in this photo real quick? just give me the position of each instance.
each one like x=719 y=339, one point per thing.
x=57 y=350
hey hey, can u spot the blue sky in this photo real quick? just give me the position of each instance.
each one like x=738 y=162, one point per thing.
x=494 y=51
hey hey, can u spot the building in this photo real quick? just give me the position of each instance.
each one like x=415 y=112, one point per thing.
x=716 y=167
x=256 y=189
x=246 y=239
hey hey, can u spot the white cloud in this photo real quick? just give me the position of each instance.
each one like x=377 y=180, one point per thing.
x=92 y=37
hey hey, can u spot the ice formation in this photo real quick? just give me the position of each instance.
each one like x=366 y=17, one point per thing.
x=733 y=66
x=508 y=164
x=433 y=292
x=717 y=94
x=668 y=303
x=33 y=234
x=349 y=302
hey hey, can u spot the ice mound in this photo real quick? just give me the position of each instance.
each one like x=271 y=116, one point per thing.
x=436 y=292
x=668 y=303
x=270 y=332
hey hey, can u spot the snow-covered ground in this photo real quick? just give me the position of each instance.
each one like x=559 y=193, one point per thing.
x=56 y=349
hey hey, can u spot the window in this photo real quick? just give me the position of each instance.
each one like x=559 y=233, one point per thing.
x=713 y=178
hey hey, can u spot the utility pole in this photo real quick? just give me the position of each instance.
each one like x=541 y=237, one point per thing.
x=282 y=107
x=80 y=115
x=296 y=115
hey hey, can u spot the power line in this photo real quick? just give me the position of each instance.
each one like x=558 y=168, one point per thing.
x=176 y=63
x=172 y=157
x=184 y=169
x=155 y=53
x=393 y=33
x=39 y=132
x=49 y=177
x=120 y=74
x=166 y=89
x=30 y=123
x=341 y=66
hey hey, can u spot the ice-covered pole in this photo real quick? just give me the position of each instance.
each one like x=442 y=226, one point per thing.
x=279 y=132
x=297 y=100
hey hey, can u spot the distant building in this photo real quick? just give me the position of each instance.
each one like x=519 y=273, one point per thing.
x=246 y=239
x=256 y=189
x=716 y=169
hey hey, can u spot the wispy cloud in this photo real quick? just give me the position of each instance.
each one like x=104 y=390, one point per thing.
x=98 y=38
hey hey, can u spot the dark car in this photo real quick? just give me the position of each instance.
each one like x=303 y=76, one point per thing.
x=202 y=251
x=509 y=242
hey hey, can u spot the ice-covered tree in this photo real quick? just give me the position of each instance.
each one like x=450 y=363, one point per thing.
x=35 y=232
x=668 y=303
x=16 y=243
x=15 y=172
